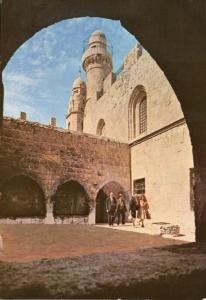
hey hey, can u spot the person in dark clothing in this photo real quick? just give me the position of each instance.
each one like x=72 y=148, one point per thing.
x=121 y=210
x=134 y=207
x=111 y=207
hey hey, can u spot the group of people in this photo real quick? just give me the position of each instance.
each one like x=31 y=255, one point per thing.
x=138 y=209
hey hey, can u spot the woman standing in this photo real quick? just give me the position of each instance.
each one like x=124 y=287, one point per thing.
x=144 y=206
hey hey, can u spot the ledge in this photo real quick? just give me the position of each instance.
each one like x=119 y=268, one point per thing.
x=157 y=132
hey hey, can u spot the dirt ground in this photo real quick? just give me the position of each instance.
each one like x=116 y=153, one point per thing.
x=28 y=242
x=88 y=262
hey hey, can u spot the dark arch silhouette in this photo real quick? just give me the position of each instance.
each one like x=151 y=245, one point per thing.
x=22 y=197
x=103 y=193
x=181 y=56
x=70 y=199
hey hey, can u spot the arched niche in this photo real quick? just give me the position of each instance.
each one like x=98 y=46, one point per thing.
x=100 y=127
x=21 y=196
x=70 y=199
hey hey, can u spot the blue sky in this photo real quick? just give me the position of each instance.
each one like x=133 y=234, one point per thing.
x=39 y=76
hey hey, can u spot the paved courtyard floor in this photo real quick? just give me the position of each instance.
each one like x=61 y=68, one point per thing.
x=152 y=227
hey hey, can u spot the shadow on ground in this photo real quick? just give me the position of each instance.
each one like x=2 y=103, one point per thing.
x=169 y=272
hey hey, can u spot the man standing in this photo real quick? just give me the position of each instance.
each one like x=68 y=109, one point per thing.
x=111 y=206
x=121 y=210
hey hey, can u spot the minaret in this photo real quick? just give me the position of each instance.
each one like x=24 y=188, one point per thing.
x=97 y=63
x=74 y=118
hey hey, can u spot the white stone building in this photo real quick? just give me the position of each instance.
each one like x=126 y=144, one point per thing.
x=138 y=106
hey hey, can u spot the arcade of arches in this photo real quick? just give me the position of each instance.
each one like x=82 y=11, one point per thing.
x=61 y=177
x=180 y=54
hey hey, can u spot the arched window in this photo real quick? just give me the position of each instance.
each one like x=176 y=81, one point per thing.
x=143 y=116
x=137 y=114
x=101 y=127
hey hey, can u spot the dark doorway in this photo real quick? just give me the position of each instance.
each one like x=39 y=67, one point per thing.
x=22 y=197
x=112 y=186
x=71 y=200
x=101 y=214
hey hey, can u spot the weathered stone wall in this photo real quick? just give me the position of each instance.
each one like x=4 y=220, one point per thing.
x=163 y=107
x=164 y=161
x=53 y=156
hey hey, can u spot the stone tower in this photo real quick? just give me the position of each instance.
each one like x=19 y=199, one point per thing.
x=74 y=118
x=97 y=63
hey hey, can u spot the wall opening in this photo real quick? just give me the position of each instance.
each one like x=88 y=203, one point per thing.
x=101 y=127
x=139 y=186
x=22 y=197
x=137 y=112
x=103 y=193
x=70 y=199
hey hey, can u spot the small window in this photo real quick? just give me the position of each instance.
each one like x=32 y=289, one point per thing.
x=139 y=186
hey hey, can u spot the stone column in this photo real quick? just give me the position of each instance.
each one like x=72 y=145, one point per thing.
x=1 y=98
x=92 y=213
x=200 y=204
x=49 y=212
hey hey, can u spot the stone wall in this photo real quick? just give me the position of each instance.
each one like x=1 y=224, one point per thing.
x=163 y=107
x=52 y=156
x=164 y=161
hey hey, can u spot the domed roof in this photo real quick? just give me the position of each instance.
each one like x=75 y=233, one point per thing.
x=98 y=32
x=78 y=82
x=98 y=36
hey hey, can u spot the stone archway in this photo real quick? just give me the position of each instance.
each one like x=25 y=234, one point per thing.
x=22 y=197
x=103 y=193
x=179 y=53
x=70 y=200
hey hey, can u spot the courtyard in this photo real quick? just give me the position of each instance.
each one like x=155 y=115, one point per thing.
x=85 y=261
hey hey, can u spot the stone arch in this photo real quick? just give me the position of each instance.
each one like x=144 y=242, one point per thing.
x=100 y=127
x=137 y=112
x=103 y=193
x=70 y=199
x=178 y=60
x=22 y=196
